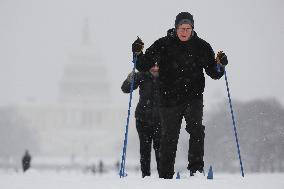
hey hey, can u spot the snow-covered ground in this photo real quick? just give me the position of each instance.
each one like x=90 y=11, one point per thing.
x=77 y=180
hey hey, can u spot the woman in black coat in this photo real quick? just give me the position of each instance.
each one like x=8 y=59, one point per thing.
x=147 y=114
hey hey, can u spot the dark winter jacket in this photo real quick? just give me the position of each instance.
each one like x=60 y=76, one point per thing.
x=148 y=106
x=181 y=67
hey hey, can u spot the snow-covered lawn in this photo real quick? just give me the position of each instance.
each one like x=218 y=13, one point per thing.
x=77 y=180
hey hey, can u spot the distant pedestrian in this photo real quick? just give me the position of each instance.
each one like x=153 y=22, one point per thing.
x=26 y=161
x=117 y=164
x=101 y=167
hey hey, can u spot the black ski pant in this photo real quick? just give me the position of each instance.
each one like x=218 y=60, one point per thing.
x=148 y=132
x=171 y=119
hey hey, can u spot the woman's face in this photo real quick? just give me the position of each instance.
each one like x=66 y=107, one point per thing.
x=184 y=32
x=155 y=70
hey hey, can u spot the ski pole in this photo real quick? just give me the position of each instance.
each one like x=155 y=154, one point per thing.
x=123 y=158
x=234 y=123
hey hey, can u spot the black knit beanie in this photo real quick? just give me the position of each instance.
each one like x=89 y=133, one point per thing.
x=184 y=18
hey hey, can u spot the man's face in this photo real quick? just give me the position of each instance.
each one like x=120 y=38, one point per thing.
x=184 y=32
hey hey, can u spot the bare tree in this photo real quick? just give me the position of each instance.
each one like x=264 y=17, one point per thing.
x=260 y=126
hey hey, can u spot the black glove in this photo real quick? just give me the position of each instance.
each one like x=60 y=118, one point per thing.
x=222 y=58
x=137 y=46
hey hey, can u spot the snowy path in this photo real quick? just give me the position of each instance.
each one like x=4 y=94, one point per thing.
x=52 y=180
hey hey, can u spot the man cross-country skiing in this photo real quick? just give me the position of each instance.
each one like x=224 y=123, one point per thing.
x=182 y=56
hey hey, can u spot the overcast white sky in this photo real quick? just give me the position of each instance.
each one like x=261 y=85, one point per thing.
x=36 y=37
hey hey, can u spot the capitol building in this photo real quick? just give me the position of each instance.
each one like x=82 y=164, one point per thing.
x=82 y=122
